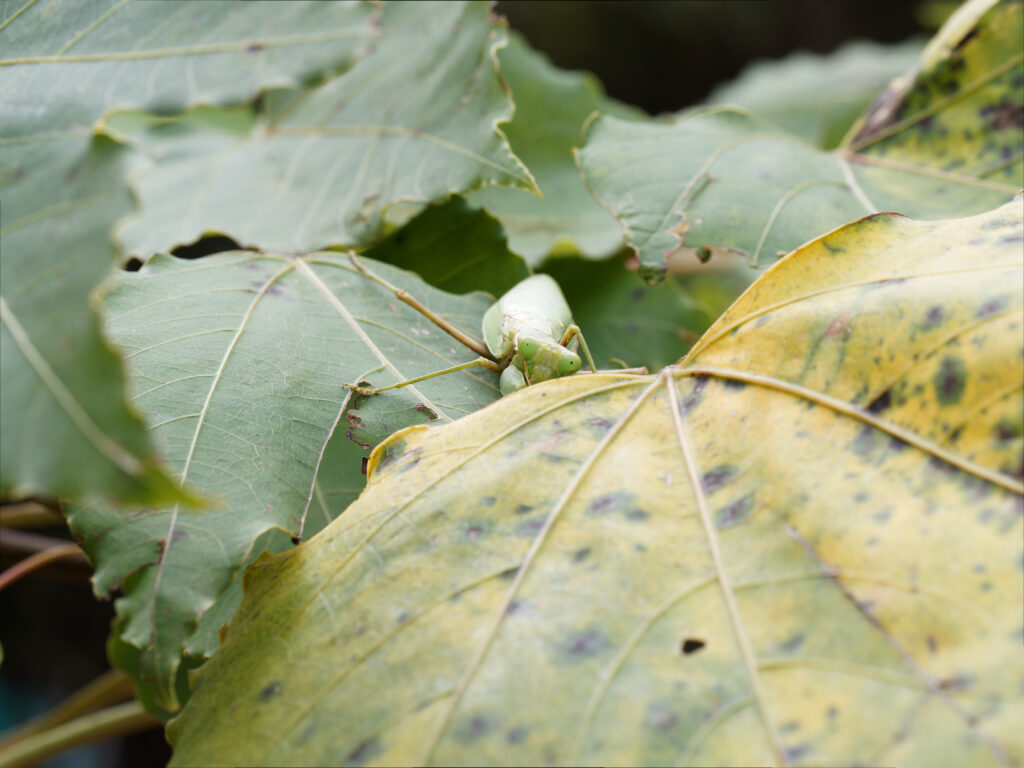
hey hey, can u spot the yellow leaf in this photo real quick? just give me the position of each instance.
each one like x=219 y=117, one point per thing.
x=800 y=546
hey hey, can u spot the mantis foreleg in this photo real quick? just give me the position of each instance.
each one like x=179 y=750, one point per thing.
x=482 y=362
x=440 y=322
x=574 y=331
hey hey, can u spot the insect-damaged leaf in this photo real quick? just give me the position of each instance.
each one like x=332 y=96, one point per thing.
x=237 y=361
x=948 y=142
x=803 y=546
x=456 y=248
x=551 y=108
x=414 y=121
x=63 y=65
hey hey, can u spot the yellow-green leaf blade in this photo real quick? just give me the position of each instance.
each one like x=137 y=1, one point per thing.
x=712 y=565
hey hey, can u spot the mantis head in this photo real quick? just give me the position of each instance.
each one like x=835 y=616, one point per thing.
x=546 y=359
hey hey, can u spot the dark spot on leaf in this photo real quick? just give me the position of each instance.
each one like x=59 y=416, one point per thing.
x=638 y=294
x=272 y=691
x=734 y=386
x=691 y=645
x=254 y=48
x=881 y=402
x=132 y=265
x=992 y=306
x=793 y=643
x=793 y=754
x=477 y=726
x=734 y=513
x=582 y=645
x=517 y=735
x=600 y=424
x=365 y=751
x=432 y=415
x=640 y=547
x=581 y=554
x=953 y=683
x=950 y=380
x=531 y=527
x=864 y=444
x=296 y=540
x=354 y=420
x=366 y=462
x=1006 y=430
x=474 y=532
x=637 y=514
x=514 y=606
x=522 y=509
x=831 y=712
x=789 y=726
x=609 y=502
x=934 y=316
x=717 y=477
x=487 y=501
x=861 y=496
x=178 y=534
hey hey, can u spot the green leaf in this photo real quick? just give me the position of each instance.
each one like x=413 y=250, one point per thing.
x=817 y=97
x=708 y=566
x=456 y=248
x=639 y=324
x=237 y=362
x=551 y=107
x=948 y=143
x=413 y=121
x=66 y=431
x=63 y=434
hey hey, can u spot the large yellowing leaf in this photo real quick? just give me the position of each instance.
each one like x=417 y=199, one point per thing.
x=414 y=121
x=947 y=140
x=801 y=546
x=237 y=363
x=63 y=65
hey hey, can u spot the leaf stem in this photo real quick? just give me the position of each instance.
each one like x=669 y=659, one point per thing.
x=113 y=721
x=45 y=550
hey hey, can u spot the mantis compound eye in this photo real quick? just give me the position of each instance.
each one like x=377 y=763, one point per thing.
x=569 y=364
x=527 y=347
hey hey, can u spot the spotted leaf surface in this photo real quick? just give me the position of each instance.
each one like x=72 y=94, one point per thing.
x=746 y=559
x=413 y=121
x=63 y=65
x=237 y=362
x=947 y=141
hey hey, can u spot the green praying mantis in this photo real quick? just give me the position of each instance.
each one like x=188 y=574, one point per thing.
x=526 y=334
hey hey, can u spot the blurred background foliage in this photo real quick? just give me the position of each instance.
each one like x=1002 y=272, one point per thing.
x=664 y=56
x=659 y=56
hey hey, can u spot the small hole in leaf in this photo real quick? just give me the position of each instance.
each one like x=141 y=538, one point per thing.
x=206 y=246
x=132 y=265
x=692 y=645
